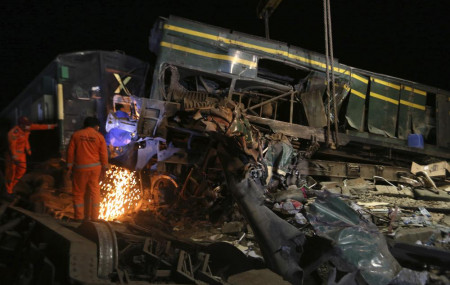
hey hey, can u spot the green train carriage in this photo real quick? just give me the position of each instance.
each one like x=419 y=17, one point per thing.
x=283 y=88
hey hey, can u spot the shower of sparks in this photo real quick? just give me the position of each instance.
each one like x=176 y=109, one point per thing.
x=120 y=193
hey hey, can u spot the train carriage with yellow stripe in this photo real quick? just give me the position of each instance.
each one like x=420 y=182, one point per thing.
x=283 y=88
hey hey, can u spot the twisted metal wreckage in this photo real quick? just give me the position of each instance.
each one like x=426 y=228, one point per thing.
x=237 y=184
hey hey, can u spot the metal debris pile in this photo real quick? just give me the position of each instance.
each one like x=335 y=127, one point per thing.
x=254 y=199
x=217 y=179
x=277 y=200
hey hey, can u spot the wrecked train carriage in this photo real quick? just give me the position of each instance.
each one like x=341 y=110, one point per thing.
x=205 y=76
x=73 y=86
x=282 y=89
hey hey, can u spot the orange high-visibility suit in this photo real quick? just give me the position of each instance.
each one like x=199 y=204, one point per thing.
x=19 y=147
x=86 y=155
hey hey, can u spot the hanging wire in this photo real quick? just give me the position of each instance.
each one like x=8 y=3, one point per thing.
x=330 y=35
x=330 y=65
x=327 y=58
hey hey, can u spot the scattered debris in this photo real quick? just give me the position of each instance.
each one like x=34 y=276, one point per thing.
x=360 y=243
x=204 y=185
x=226 y=184
x=439 y=169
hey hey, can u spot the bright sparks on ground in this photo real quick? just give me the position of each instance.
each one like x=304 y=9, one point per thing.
x=120 y=193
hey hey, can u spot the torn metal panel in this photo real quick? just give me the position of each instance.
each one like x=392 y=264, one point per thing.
x=383 y=107
x=411 y=112
x=152 y=115
x=314 y=108
x=359 y=241
x=147 y=149
x=313 y=100
x=356 y=108
x=342 y=92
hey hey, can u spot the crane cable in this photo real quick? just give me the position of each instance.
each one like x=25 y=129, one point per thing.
x=327 y=58
x=330 y=61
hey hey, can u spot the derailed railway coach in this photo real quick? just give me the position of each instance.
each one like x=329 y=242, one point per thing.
x=282 y=88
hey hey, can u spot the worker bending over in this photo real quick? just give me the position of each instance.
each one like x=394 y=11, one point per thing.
x=19 y=147
x=87 y=157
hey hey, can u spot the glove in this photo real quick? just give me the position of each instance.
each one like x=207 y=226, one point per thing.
x=29 y=151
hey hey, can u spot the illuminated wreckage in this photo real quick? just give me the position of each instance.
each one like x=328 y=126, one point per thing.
x=213 y=199
x=213 y=182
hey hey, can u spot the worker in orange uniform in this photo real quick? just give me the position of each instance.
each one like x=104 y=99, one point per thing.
x=19 y=147
x=87 y=157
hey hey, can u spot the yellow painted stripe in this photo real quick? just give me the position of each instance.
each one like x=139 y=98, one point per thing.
x=222 y=39
x=384 y=98
x=305 y=60
x=420 y=107
x=385 y=83
x=234 y=59
x=190 y=32
x=344 y=71
x=252 y=46
x=362 y=79
x=417 y=91
x=357 y=93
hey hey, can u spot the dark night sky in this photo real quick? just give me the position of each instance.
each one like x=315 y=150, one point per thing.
x=403 y=38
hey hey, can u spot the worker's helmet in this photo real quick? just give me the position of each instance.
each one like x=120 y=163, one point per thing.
x=24 y=121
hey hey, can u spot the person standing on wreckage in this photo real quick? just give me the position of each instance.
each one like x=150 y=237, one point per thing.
x=87 y=160
x=19 y=148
